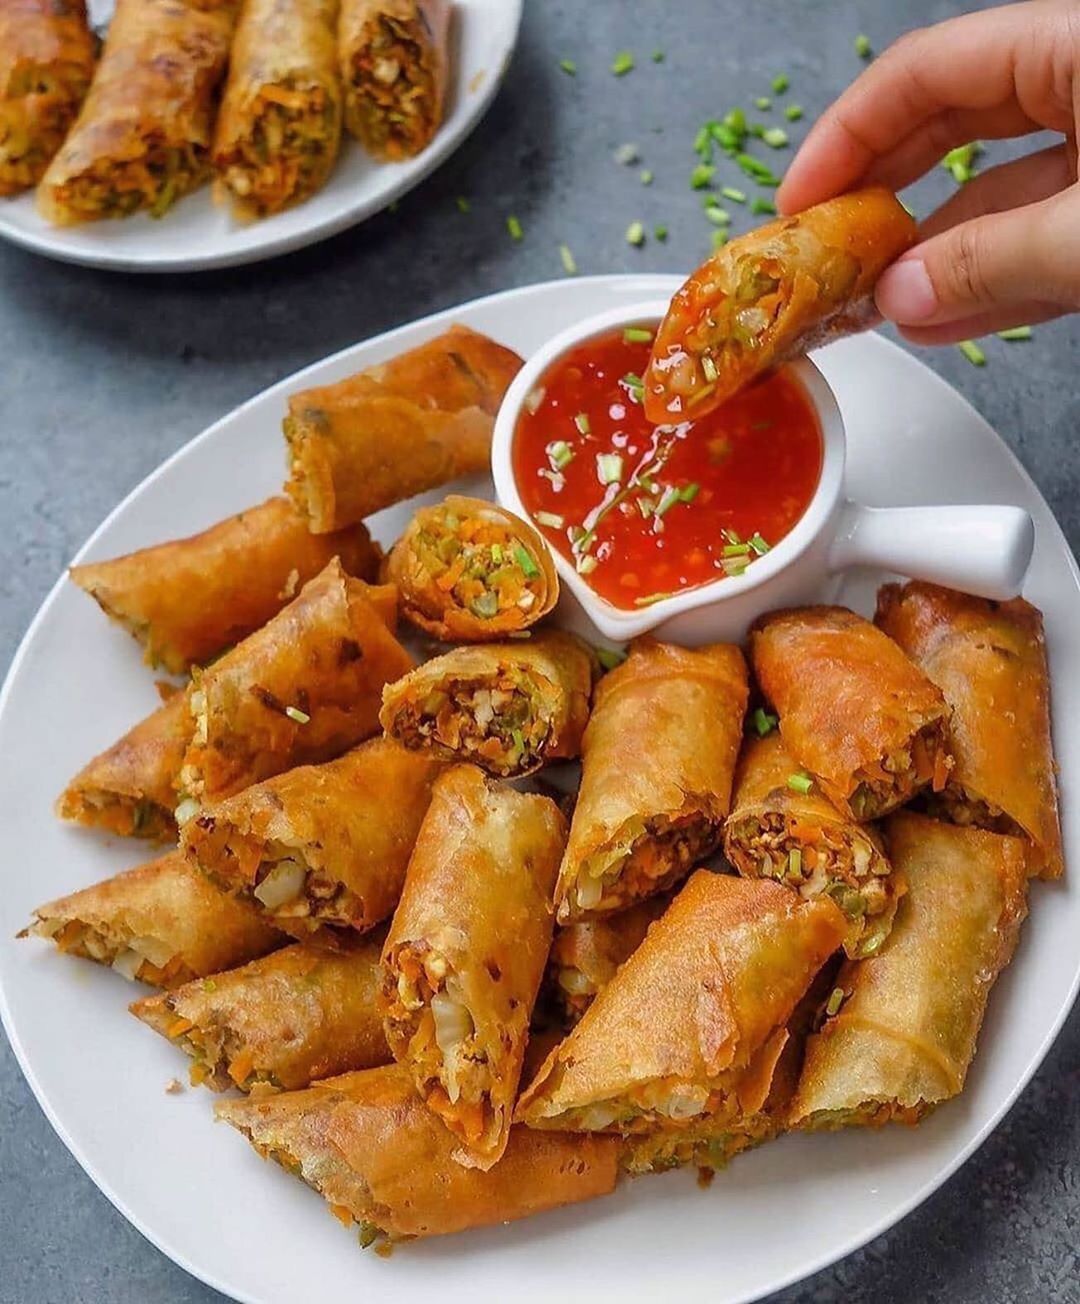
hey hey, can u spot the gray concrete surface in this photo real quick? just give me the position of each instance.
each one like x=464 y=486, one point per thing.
x=103 y=375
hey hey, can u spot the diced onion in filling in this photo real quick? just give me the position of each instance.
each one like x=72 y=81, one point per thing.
x=159 y=953
x=128 y=963
x=452 y=1022
x=284 y=882
x=589 y=891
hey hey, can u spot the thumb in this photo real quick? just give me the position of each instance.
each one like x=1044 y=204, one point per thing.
x=988 y=263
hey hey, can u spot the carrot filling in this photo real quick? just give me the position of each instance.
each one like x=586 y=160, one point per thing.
x=646 y=856
x=393 y=101
x=474 y=565
x=153 y=180
x=888 y=783
x=148 y=959
x=125 y=816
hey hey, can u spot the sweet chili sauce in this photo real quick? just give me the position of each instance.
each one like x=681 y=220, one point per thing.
x=645 y=511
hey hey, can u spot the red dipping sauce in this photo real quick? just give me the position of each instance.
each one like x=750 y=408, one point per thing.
x=647 y=511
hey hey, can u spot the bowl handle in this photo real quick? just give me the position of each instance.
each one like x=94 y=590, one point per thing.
x=981 y=550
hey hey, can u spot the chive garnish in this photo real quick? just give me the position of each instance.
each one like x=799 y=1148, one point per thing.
x=635 y=386
x=775 y=137
x=793 y=112
x=568 y=66
x=736 y=550
x=551 y=519
x=610 y=657
x=514 y=227
x=521 y=556
x=717 y=216
x=1015 y=333
x=609 y=468
x=863 y=48
x=689 y=492
x=800 y=782
x=497 y=553
x=560 y=453
x=658 y=56
x=586 y=565
x=708 y=366
x=780 y=83
x=702 y=145
x=702 y=176
x=582 y=423
x=972 y=352
x=660 y=231
x=762 y=206
x=758 y=544
x=569 y=265
x=294 y=713
x=763 y=103
x=763 y=722
x=731 y=536
x=645 y=506
x=637 y=335
x=735 y=120
x=635 y=234
x=646 y=177
x=668 y=499
x=463 y=204
x=622 y=63
x=753 y=167
x=836 y=999
x=736 y=196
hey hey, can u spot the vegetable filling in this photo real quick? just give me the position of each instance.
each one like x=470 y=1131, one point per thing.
x=40 y=106
x=148 y=959
x=125 y=816
x=153 y=180
x=393 y=95
x=647 y=856
x=888 y=783
x=955 y=804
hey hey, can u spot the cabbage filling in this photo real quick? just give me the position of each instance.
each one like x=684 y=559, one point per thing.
x=146 y=958
x=888 y=783
x=648 y=856
x=475 y=565
x=153 y=180
x=393 y=101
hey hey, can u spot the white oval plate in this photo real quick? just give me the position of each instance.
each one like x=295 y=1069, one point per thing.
x=197 y=233
x=245 y=1227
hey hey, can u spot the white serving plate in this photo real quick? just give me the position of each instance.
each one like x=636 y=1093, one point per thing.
x=197 y=233
x=201 y=1194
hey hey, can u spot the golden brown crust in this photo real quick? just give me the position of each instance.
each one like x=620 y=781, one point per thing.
x=397 y=429
x=189 y=599
x=989 y=660
x=658 y=759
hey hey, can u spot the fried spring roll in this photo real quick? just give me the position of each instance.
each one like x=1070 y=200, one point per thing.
x=47 y=57
x=301 y=690
x=394 y=66
x=466 y=952
x=658 y=761
x=902 y=1026
x=694 y=1022
x=469 y=571
x=187 y=600
x=770 y=295
x=299 y=1014
x=129 y=789
x=396 y=429
x=854 y=711
x=802 y=840
x=160 y=923
x=585 y=956
x=321 y=847
x=279 y=128
x=989 y=659
x=368 y=1144
x=508 y=707
x=142 y=139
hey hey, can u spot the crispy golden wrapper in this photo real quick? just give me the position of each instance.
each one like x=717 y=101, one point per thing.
x=658 y=761
x=802 y=840
x=904 y=1035
x=296 y=1015
x=160 y=922
x=694 y=1022
x=466 y=952
x=370 y=1146
x=279 y=128
x=989 y=659
x=469 y=571
x=189 y=599
x=142 y=139
x=47 y=54
x=868 y=724
x=129 y=789
x=394 y=66
x=508 y=707
x=321 y=847
x=397 y=429
x=770 y=295
x=303 y=689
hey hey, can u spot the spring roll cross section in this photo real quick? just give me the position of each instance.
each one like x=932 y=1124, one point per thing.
x=321 y=847
x=903 y=1034
x=802 y=840
x=989 y=659
x=868 y=724
x=160 y=922
x=296 y=1015
x=368 y=1144
x=508 y=707
x=466 y=952
x=397 y=429
x=658 y=760
x=771 y=295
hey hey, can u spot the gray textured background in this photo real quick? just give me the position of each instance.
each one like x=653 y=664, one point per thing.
x=104 y=375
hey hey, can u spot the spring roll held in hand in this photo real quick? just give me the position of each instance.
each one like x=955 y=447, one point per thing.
x=507 y=707
x=904 y=1035
x=129 y=789
x=302 y=689
x=284 y=1021
x=321 y=847
x=466 y=952
x=801 y=839
x=279 y=128
x=142 y=139
x=694 y=1022
x=189 y=599
x=771 y=295
x=397 y=429
x=394 y=66
x=46 y=62
x=989 y=659
x=160 y=922
x=470 y=571
x=370 y=1146
x=658 y=760
x=854 y=711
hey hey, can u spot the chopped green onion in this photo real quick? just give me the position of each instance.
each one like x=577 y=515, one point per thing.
x=637 y=335
x=708 y=366
x=689 y=492
x=635 y=234
x=763 y=722
x=658 y=56
x=863 y=48
x=736 y=550
x=1015 y=333
x=961 y=161
x=646 y=177
x=463 y=204
x=800 y=782
x=668 y=499
x=653 y=597
x=627 y=154
x=660 y=231
x=610 y=657
x=586 y=565
x=718 y=239
x=762 y=206
x=622 y=63
x=568 y=66
x=794 y=861
x=972 y=352
x=635 y=386
x=560 y=453
x=836 y=999
x=582 y=423
x=294 y=713
x=735 y=120
x=569 y=265
x=780 y=83
x=497 y=553
x=717 y=216
x=754 y=167
x=736 y=196
x=757 y=130
x=525 y=561
x=702 y=176
x=793 y=112
x=551 y=519
x=609 y=468
x=514 y=227
x=645 y=506
x=703 y=143
x=763 y=102
x=758 y=544
x=775 y=137
x=732 y=536
x=734 y=566
x=208 y=985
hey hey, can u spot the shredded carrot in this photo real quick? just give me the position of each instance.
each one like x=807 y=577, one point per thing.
x=342 y=1214
x=240 y=1068
x=179 y=1026
x=943 y=763
x=804 y=832
x=449 y=578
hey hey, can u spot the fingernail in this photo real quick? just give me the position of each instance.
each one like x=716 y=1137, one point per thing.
x=905 y=294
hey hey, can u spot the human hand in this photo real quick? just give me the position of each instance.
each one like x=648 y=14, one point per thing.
x=1005 y=250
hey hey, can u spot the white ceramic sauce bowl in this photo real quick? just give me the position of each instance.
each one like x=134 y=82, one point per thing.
x=985 y=550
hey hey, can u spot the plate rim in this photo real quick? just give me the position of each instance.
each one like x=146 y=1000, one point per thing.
x=664 y=283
